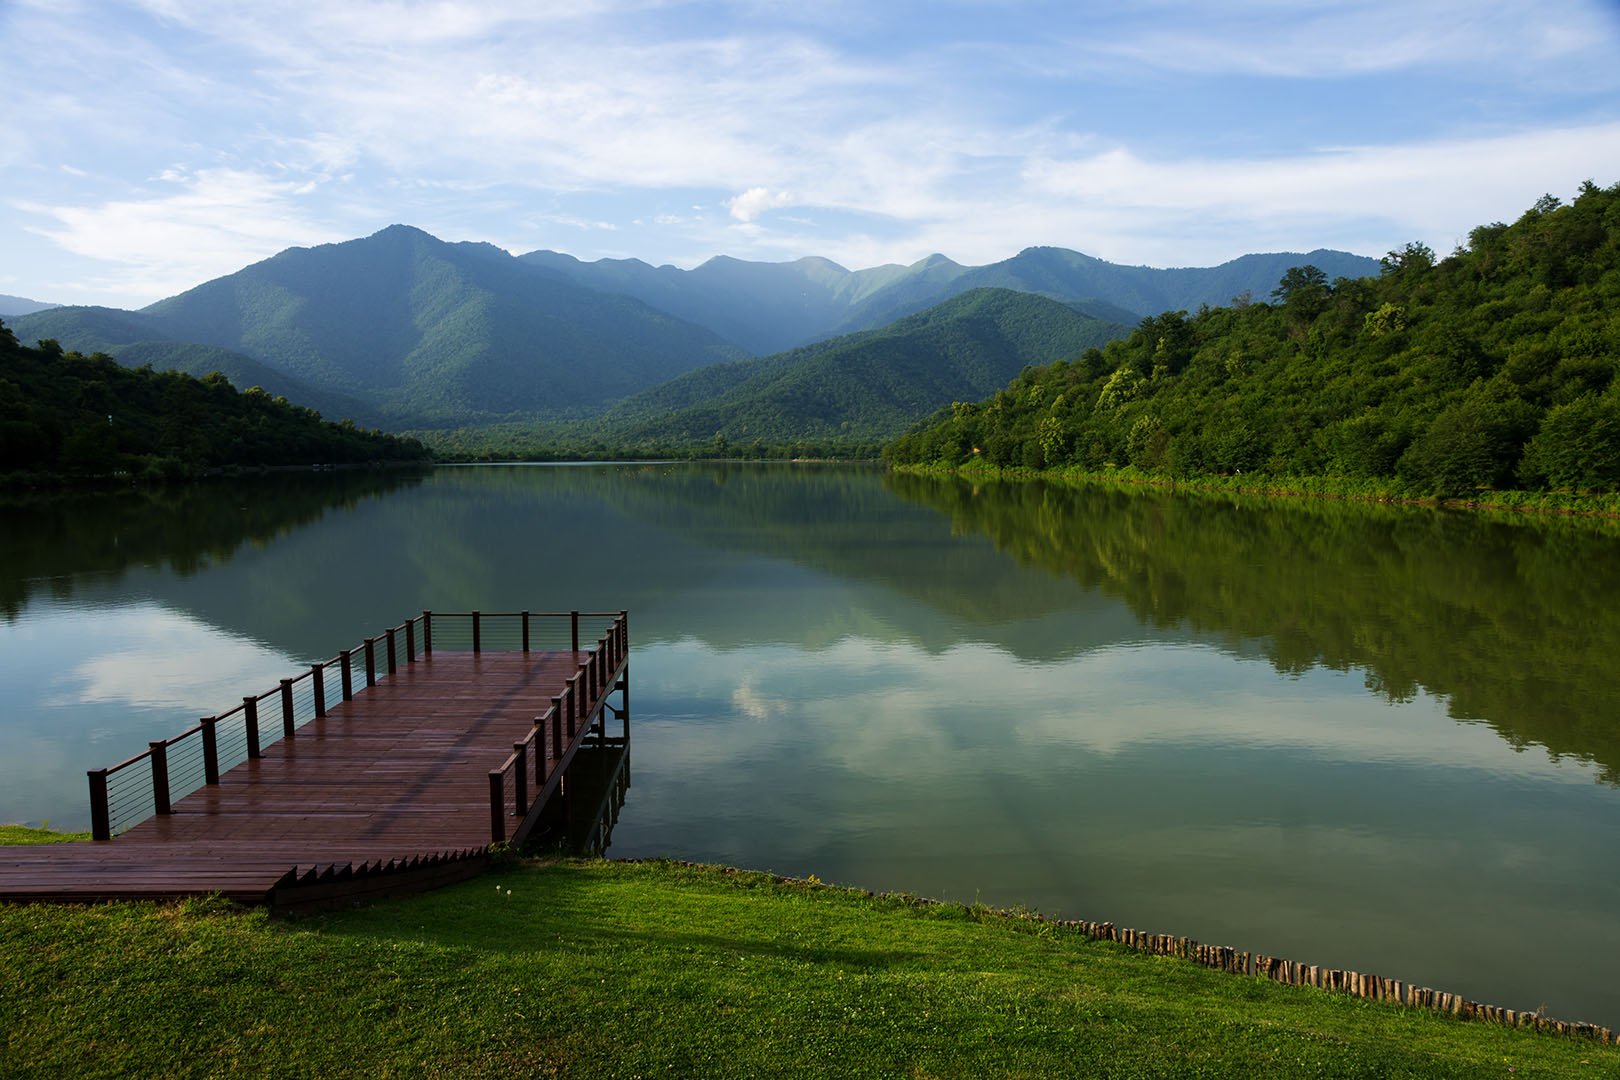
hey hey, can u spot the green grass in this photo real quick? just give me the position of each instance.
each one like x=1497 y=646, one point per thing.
x=618 y=969
x=24 y=834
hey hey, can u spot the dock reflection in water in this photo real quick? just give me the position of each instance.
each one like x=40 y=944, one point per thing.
x=594 y=791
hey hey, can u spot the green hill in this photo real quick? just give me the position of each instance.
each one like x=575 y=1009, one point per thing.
x=1492 y=368
x=864 y=387
x=68 y=414
x=415 y=329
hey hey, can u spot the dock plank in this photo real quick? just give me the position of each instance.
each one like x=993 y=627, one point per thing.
x=389 y=788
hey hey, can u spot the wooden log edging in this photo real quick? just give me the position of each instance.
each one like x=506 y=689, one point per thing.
x=1337 y=980
x=1261 y=966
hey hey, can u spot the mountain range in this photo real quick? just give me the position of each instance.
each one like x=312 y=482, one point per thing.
x=11 y=306
x=403 y=330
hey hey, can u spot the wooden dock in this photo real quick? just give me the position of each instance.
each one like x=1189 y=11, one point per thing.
x=424 y=759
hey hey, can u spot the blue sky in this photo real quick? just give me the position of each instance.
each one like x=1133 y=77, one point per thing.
x=146 y=147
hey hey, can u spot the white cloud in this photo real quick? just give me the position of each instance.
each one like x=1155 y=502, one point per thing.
x=149 y=656
x=570 y=124
x=216 y=222
x=755 y=201
x=1343 y=40
x=892 y=702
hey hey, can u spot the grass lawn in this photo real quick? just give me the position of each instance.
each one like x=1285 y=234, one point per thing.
x=617 y=969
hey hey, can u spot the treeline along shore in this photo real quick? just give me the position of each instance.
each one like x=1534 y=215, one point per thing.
x=68 y=416
x=1488 y=370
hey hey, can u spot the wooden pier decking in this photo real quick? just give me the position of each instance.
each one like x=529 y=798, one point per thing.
x=402 y=784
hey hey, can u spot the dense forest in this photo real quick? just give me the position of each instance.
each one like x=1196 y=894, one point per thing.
x=1493 y=368
x=66 y=414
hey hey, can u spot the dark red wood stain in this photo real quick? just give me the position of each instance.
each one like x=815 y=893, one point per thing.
x=389 y=790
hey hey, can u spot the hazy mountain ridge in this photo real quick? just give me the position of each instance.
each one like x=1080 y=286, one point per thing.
x=20 y=305
x=772 y=307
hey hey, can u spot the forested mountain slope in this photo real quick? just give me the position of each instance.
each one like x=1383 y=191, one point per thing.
x=418 y=330
x=131 y=338
x=1492 y=368
x=69 y=414
x=863 y=387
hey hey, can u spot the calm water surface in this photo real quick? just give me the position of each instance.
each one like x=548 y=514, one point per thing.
x=1386 y=739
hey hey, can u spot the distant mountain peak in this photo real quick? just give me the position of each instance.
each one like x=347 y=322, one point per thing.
x=398 y=230
x=817 y=262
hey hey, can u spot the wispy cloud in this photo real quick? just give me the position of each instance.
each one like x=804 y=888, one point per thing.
x=203 y=224
x=1176 y=132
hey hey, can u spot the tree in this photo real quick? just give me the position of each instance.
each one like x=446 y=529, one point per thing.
x=1416 y=257
x=1298 y=280
x=1304 y=293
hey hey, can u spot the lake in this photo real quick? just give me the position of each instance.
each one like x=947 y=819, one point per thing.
x=1368 y=737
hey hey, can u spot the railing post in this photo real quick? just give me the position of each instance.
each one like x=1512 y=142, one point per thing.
x=317 y=680
x=624 y=632
x=210 y=739
x=573 y=705
x=477 y=645
x=100 y=819
x=522 y=777
x=391 y=661
x=556 y=728
x=573 y=617
x=371 y=661
x=288 y=727
x=346 y=660
x=427 y=633
x=624 y=701
x=497 y=808
x=410 y=641
x=539 y=753
x=160 y=776
x=250 y=722
x=525 y=631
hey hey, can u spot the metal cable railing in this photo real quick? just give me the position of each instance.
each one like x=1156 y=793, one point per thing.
x=150 y=782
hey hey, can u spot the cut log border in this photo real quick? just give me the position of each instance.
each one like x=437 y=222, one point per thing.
x=1253 y=964
x=1338 y=980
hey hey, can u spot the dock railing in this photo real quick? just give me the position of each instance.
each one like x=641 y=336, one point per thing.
x=152 y=781
x=556 y=734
